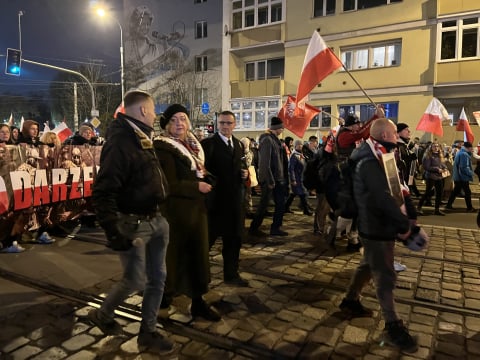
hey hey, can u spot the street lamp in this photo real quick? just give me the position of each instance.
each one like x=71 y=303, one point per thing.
x=101 y=12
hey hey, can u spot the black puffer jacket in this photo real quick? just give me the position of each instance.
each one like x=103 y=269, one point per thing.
x=78 y=139
x=130 y=179
x=379 y=217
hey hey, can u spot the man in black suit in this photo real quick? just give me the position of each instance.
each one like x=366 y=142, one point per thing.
x=224 y=159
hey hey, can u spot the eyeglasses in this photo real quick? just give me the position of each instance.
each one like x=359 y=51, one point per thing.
x=225 y=122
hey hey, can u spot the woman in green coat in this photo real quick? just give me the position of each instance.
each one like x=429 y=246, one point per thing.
x=188 y=267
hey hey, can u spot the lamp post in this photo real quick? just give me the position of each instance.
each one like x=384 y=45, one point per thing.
x=102 y=13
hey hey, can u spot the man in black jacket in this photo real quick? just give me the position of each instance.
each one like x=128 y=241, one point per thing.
x=224 y=155
x=380 y=222
x=127 y=191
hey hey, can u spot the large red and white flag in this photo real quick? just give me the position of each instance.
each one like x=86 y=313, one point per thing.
x=319 y=62
x=463 y=125
x=62 y=131
x=10 y=120
x=297 y=119
x=476 y=115
x=431 y=120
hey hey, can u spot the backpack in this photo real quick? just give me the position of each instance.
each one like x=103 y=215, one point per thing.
x=345 y=197
x=310 y=174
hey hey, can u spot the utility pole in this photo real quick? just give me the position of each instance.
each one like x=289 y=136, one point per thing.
x=20 y=13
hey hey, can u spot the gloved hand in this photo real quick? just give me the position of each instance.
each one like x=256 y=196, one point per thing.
x=418 y=239
x=116 y=238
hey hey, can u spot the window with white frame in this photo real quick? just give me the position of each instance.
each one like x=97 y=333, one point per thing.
x=322 y=120
x=365 y=4
x=201 y=96
x=254 y=114
x=323 y=7
x=200 y=29
x=459 y=38
x=265 y=69
x=201 y=63
x=250 y=13
x=372 y=56
x=366 y=111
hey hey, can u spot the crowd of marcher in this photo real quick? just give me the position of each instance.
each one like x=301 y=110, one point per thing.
x=164 y=201
x=40 y=148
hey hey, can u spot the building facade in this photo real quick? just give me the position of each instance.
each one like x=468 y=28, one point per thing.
x=401 y=52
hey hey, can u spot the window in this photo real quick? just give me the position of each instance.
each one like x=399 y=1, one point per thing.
x=201 y=96
x=265 y=69
x=366 y=111
x=250 y=13
x=254 y=114
x=200 y=29
x=459 y=39
x=326 y=120
x=201 y=63
x=373 y=56
x=365 y=4
x=323 y=7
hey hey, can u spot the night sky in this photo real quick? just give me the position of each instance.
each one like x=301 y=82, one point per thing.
x=63 y=33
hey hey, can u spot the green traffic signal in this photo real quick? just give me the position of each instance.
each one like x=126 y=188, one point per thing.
x=13 y=62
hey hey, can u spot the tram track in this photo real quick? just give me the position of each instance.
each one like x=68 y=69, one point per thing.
x=341 y=289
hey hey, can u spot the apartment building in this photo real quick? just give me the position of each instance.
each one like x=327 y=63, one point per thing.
x=401 y=52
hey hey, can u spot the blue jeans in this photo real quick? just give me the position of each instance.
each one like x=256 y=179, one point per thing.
x=143 y=269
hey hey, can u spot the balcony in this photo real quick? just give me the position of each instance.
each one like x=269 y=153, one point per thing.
x=256 y=88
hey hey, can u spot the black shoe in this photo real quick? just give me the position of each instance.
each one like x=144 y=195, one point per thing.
x=166 y=302
x=397 y=335
x=438 y=212
x=354 y=309
x=236 y=281
x=155 y=341
x=257 y=233
x=288 y=211
x=108 y=327
x=201 y=309
x=449 y=207
x=471 y=210
x=354 y=247
x=278 y=232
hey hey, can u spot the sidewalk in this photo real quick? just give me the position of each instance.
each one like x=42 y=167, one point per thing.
x=289 y=311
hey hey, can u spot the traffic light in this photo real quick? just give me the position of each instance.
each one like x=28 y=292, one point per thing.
x=13 y=62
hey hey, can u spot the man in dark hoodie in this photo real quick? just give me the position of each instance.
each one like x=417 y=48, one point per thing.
x=128 y=189
x=380 y=222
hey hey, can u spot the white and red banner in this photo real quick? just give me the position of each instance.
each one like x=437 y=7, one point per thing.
x=62 y=131
x=463 y=125
x=476 y=115
x=432 y=119
x=319 y=62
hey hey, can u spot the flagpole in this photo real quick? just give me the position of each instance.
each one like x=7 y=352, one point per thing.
x=355 y=80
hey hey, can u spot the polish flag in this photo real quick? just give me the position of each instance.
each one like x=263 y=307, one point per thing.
x=10 y=120
x=319 y=62
x=476 y=115
x=463 y=125
x=4 y=203
x=431 y=120
x=120 y=109
x=62 y=131
x=46 y=128
x=297 y=119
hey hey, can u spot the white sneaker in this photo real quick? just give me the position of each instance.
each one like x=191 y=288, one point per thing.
x=45 y=238
x=14 y=248
x=399 y=267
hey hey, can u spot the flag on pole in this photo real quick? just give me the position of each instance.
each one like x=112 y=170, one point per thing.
x=46 y=128
x=463 y=125
x=297 y=119
x=62 y=131
x=10 y=120
x=21 y=123
x=319 y=62
x=476 y=115
x=431 y=120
